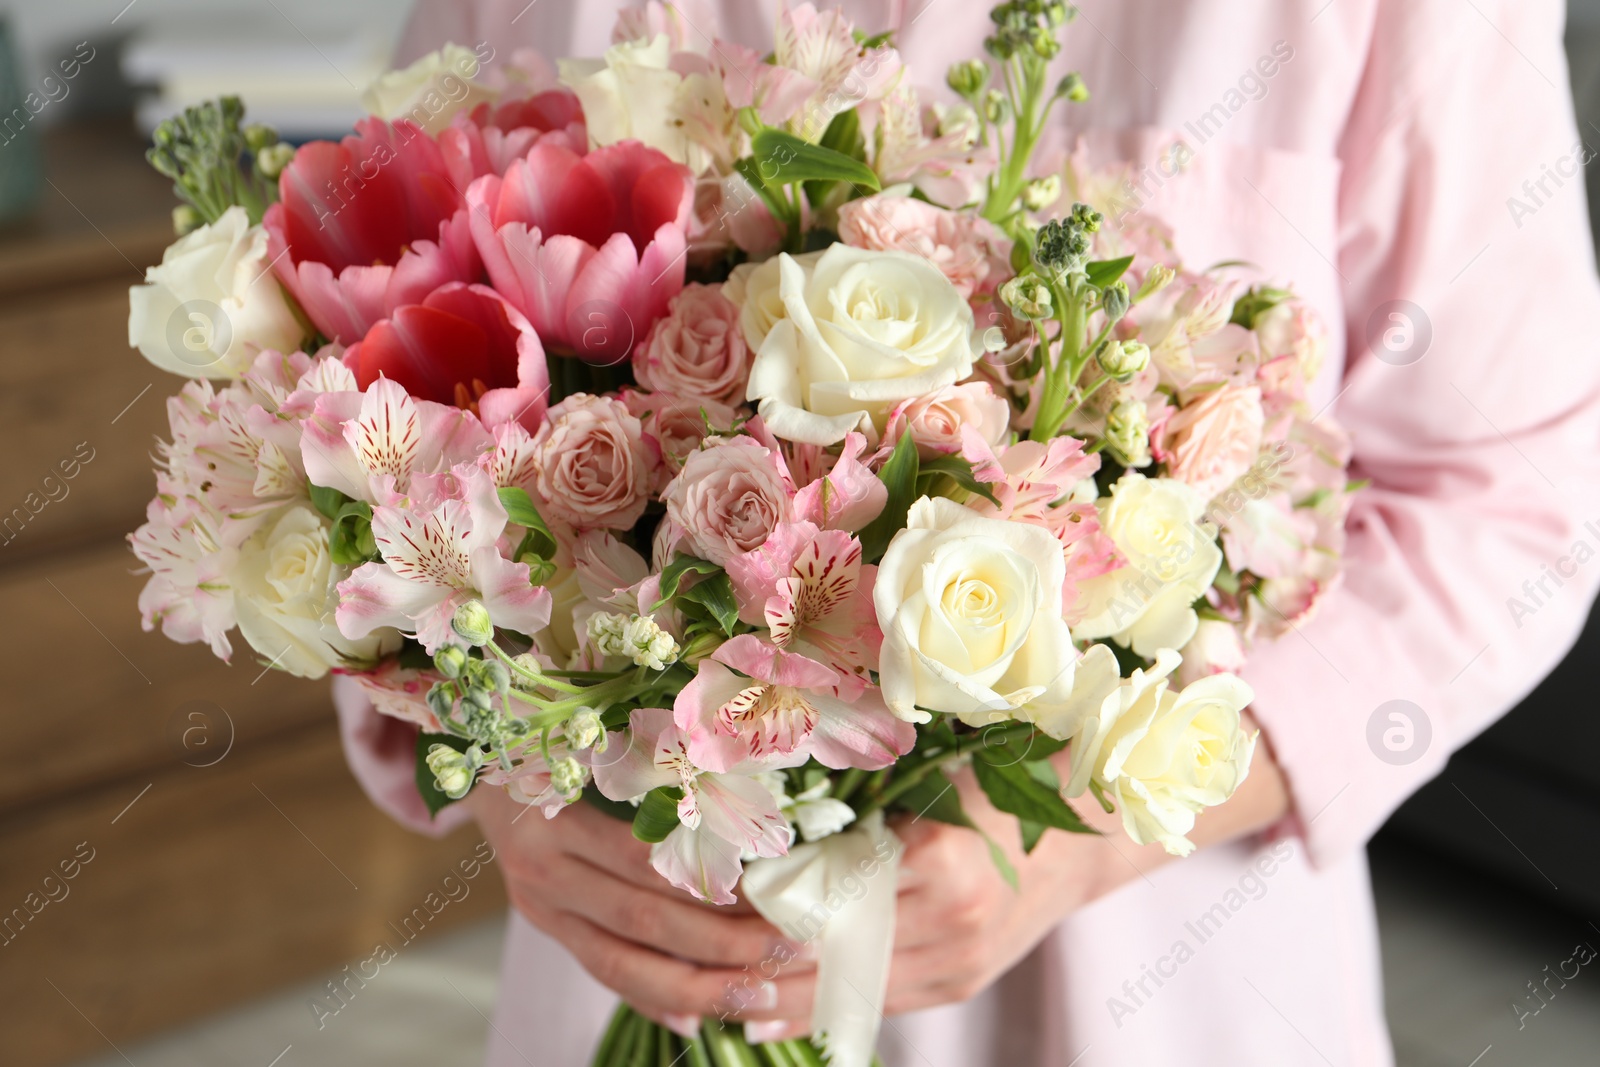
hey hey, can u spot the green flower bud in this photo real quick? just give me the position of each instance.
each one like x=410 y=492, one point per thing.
x=451 y=660
x=272 y=160
x=530 y=663
x=1043 y=43
x=477 y=700
x=1028 y=296
x=1041 y=192
x=442 y=699
x=453 y=772
x=472 y=623
x=1115 y=301
x=1073 y=88
x=493 y=676
x=1087 y=217
x=568 y=776
x=968 y=78
x=1124 y=359
x=1128 y=433
x=185 y=220
x=996 y=108
x=258 y=135
x=1156 y=279
x=585 y=730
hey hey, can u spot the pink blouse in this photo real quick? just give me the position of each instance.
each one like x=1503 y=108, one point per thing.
x=1413 y=169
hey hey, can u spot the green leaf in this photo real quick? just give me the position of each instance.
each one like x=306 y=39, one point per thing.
x=617 y=809
x=1102 y=272
x=716 y=595
x=936 y=798
x=1006 y=746
x=781 y=208
x=328 y=501
x=431 y=796
x=520 y=510
x=350 y=540
x=997 y=856
x=658 y=814
x=672 y=575
x=899 y=476
x=958 y=470
x=843 y=135
x=1031 y=833
x=781 y=158
x=1012 y=789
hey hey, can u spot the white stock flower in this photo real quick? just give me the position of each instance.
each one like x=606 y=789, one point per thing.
x=970 y=609
x=864 y=331
x=431 y=91
x=212 y=304
x=284 y=595
x=1163 y=756
x=1171 y=559
x=637 y=637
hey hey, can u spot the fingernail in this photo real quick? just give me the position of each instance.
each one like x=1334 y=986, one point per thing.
x=806 y=950
x=766 y=996
x=682 y=1025
x=771 y=1030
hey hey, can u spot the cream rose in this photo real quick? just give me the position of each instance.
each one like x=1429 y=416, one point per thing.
x=1211 y=442
x=1147 y=604
x=213 y=304
x=431 y=91
x=864 y=332
x=1163 y=756
x=970 y=609
x=284 y=593
x=753 y=288
x=697 y=350
x=728 y=498
x=592 y=464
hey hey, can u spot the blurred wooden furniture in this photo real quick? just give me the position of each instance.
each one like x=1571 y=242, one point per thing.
x=225 y=863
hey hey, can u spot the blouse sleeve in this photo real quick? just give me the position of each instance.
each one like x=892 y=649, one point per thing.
x=1472 y=556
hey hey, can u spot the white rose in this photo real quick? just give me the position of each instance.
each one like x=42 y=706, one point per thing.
x=865 y=331
x=970 y=609
x=1162 y=756
x=284 y=594
x=213 y=304
x=431 y=91
x=753 y=288
x=632 y=93
x=1171 y=561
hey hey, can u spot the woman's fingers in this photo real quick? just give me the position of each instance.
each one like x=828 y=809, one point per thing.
x=660 y=985
x=674 y=924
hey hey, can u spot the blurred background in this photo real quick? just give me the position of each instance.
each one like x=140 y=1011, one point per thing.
x=227 y=874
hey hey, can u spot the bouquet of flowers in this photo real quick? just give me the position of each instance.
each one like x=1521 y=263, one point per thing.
x=743 y=444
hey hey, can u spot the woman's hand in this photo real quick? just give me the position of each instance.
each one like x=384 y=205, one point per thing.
x=586 y=881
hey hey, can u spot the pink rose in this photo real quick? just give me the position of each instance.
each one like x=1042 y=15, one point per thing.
x=1210 y=442
x=676 y=424
x=592 y=464
x=697 y=351
x=937 y=421
x=729 y=498
x=967 y=249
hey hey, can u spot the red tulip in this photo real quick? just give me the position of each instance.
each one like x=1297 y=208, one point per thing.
x=590 y=248
x=461 y=345
x=366 y=225
x=493 y=137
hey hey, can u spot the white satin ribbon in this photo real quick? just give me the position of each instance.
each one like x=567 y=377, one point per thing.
x=838 y=893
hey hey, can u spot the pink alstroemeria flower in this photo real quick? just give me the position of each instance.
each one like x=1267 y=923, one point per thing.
x=811 y=590
x=368 y=224
x=722 y=815
x=434 y=560
x=590 y=248
x=785 y=709
x=370 y=445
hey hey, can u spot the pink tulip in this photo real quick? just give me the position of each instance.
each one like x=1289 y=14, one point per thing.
x=366 y=225
x=590 y=248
